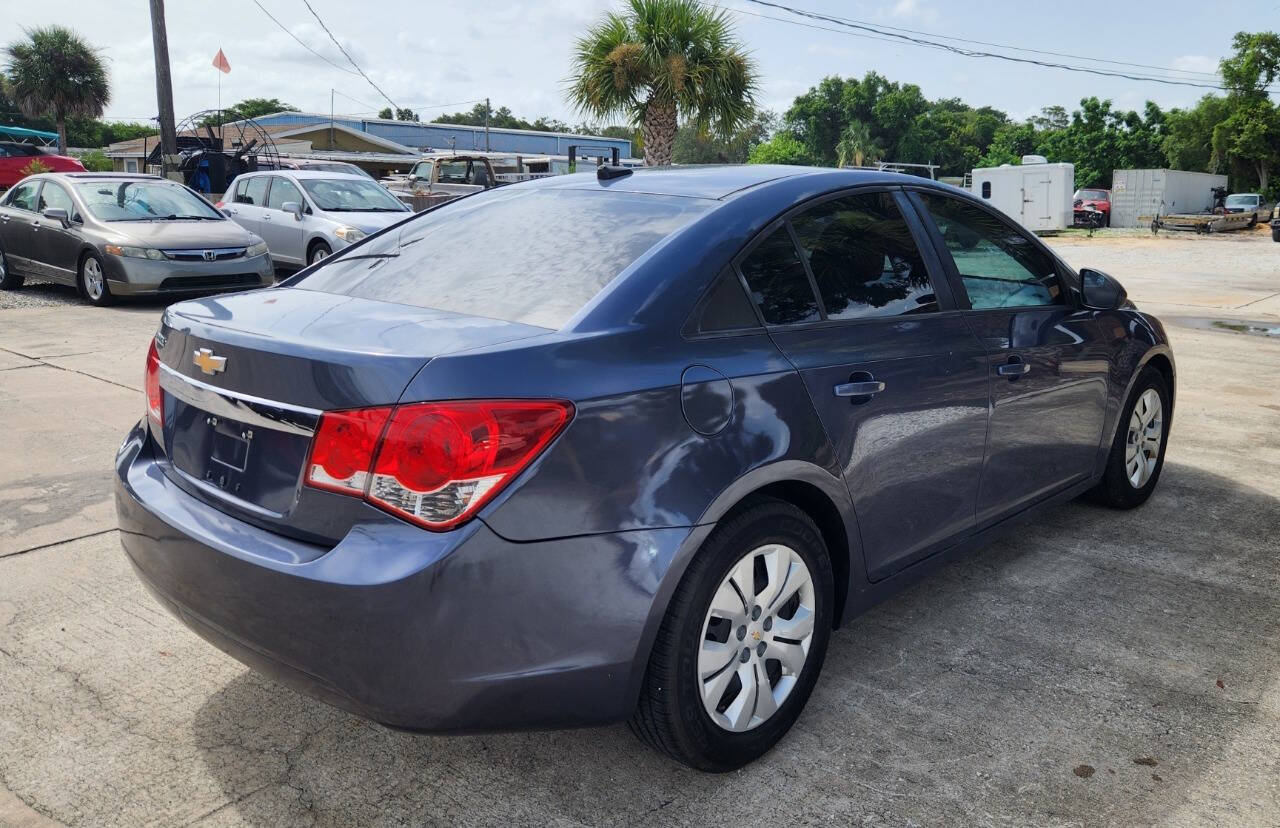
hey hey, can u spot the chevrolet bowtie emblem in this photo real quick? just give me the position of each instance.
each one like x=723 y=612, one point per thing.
x=207 y=362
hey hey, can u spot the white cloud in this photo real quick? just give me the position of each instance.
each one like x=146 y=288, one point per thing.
x=1195 y=63
x=912 y=10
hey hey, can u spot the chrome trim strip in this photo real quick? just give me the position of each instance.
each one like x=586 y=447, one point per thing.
x=200 y=251
x=243 y=408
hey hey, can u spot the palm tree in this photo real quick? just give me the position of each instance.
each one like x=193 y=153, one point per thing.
x=54 y=72
x=856 y=146
x=659 y=61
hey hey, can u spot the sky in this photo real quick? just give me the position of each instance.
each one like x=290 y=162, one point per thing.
x=440 y=56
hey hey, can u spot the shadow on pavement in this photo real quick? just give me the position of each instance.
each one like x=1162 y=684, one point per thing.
x=1018 y=685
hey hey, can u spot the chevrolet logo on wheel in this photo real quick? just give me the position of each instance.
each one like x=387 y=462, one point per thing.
x=208 y=362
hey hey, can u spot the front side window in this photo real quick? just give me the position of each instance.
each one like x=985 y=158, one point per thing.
x=23 y=196
x=255 y=192
x=863 y=258
x=778 y=282
x=421 y=170
x=134 y=200
x=998 y=265
x=282 y=191
x=55 y=198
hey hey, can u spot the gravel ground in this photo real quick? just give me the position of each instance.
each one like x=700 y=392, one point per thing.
x=36 y=293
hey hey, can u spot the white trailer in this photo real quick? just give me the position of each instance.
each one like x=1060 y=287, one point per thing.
x=1035 y=193
x=1137 y=193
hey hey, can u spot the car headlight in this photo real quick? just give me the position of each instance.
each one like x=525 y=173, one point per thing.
x=350 y=235
x=134 y=252
x=256 y=249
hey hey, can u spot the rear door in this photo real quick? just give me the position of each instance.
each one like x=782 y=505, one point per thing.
x=896 y=376
x=283 y=233
x=1047 y=359
x=248 y=201
x=18 y=219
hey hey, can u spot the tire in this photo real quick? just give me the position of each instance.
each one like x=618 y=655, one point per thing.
x=1119 y=487
x=671 y=715
x=1275 y=234
x=1253 y=221
x=92 y=282
x=318 y=251
x=8 y=279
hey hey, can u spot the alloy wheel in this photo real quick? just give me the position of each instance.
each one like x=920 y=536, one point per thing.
x=1146 y=431
x=318 y=253
x=756 y=637
x=93 y=285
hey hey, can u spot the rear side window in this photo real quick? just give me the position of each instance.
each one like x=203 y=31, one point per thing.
x=998 y=265
x=256 y=191
x=864 y=258
x=778 y=282
x=529 y=255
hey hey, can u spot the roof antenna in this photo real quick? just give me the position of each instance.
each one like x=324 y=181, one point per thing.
x=608 y=172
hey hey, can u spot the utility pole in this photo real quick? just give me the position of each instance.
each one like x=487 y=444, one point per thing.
x=164 y=87
x=486 y=124
x=331 y=119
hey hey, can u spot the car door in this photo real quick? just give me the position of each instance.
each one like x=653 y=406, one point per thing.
x=57 y=248
x=18 y=219
x=249 y=201
x=898 y=379
x=1046 y=355
x=284 y=234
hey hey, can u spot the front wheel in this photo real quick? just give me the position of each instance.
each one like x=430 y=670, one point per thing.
x=8 y=279
x=1275 y=234
x=1137 y=452
x=93 y=282
x=318 y=251
x=742 y=643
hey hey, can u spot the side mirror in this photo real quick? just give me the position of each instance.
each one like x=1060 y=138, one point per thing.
x=1101 y=292
x=59 y=215
x=293 y=208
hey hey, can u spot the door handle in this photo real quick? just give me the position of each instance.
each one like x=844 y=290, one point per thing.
x=1014 y=368
x=266 y=218
x=859 y=389
x=5 y=219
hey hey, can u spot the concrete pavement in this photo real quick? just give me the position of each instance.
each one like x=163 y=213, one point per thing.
x=1095 y=668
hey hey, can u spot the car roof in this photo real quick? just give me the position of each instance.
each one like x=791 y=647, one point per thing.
x=717 y=182
x=105 y=176
x=307 y=174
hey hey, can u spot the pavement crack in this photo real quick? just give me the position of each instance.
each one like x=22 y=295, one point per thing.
x=56 y=543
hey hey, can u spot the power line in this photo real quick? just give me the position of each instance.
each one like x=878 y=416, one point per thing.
x=301 y=42
x=307 y=3
x=916 y=41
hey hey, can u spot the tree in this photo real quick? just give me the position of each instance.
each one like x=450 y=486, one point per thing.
x=660 y=61
x=406 y=114
x=783 y=148
x=54 y=72
x=856 y=146
x=692 y=147
x=1250 y=134
x=250 y=108
x=385 y=113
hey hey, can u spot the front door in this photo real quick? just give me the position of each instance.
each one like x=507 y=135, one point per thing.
x=283 y=232
x=18 y=222
x=57 y=248
x=897 y=378
x=1047 y=360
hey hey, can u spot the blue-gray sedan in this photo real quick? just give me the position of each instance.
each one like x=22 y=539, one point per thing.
x=626 y=445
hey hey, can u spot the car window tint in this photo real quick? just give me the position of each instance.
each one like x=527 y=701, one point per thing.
x=283 y=190
x=24 y=196
x=863 y=258
x=505 y=253
x=778 y=282
x=241 y=185
x=998 y=265
x=53 y=196
x=726 y=307
x=256 y=192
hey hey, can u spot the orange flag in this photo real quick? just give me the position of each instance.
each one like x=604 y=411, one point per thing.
x=220 y=63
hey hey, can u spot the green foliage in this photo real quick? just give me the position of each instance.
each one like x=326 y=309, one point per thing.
x=406 y=115
x=783 y=148
x=250 y=108
x=55 y=73
x=1248 y=137
x=856 y=147
x=96 y=161
x=692 y=147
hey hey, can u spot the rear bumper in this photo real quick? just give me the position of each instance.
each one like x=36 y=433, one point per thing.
x=427 y=631
x=137 y=277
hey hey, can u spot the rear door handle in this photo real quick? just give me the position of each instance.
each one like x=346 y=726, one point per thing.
x=1014 y=368
x=859 y=389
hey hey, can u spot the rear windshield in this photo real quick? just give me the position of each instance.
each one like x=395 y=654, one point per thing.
x=529 y=255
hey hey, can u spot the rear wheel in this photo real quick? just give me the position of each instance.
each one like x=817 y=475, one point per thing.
x=93 y=281
x=318 y=251
x=743 y=641
x=1137 y=453
x=8 y=279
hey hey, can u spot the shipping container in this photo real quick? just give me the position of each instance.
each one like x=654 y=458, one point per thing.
x=1137 y=193
x=1034 y=193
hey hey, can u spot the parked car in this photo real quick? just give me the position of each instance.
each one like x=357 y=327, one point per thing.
x=1087 y=203
x=478 y=472
x=436 y=180
x=117 y=234
x=1275 y=223
x=1251 y=203
x=316 y=165
x=306 y=215
x=15 y=158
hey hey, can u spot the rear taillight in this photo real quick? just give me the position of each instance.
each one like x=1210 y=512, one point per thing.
x=435 y=464
x=155 y=402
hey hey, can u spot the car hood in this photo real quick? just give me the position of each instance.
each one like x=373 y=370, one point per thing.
x=177 y=235
x=368 y=222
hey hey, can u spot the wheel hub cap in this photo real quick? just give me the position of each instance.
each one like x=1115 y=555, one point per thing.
x=1146 y=431
x=92 y=279
x=756 y=636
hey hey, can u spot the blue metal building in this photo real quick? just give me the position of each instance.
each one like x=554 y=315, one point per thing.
x=459 y=137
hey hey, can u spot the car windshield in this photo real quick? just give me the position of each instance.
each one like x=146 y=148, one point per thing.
x=132 y=200
x=509 y=253
x=1241 y=200
x=347 y=195
x=1092 y=195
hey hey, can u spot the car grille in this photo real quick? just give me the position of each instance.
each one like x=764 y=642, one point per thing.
x=211 y=282
x=219 y=254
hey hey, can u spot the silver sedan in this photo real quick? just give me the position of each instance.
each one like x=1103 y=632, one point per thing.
x=113 y=234
x=307 y=215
